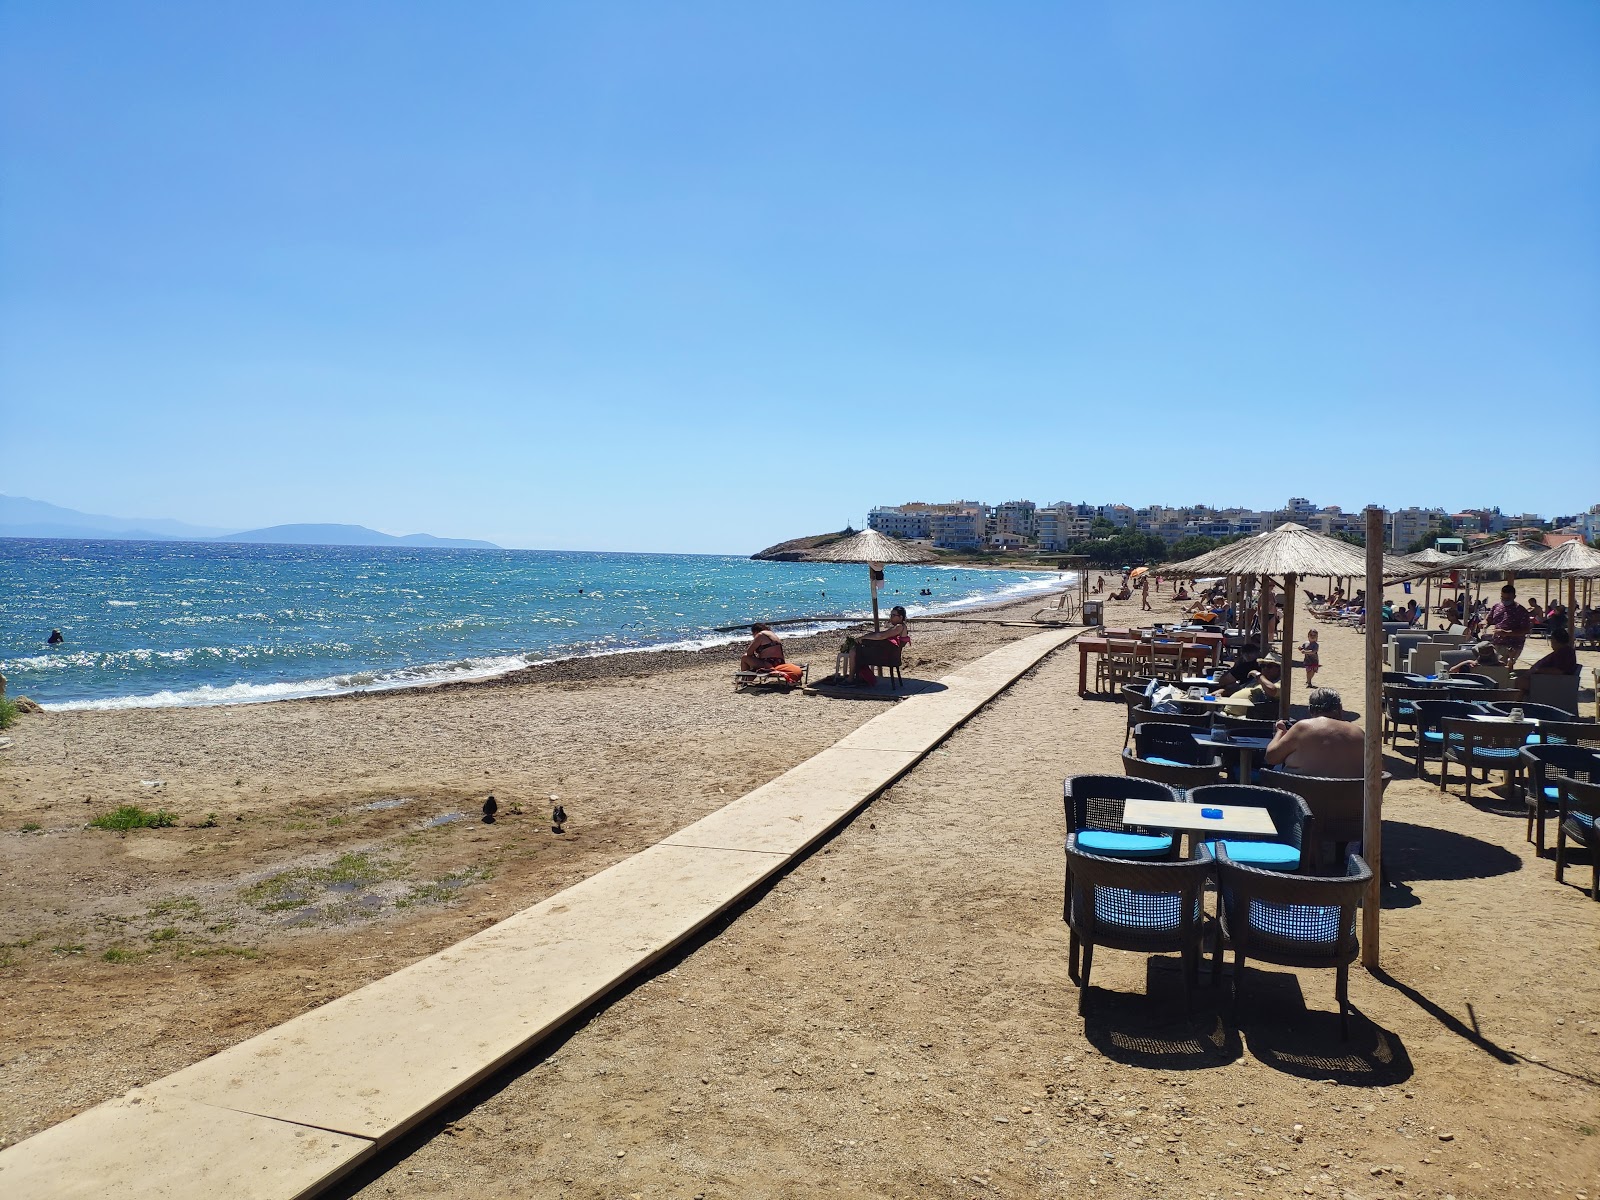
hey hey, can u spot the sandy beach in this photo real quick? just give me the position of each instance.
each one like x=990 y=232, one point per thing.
x=893 y=1018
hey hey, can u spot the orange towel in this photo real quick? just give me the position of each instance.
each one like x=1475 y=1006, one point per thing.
x=789 y=671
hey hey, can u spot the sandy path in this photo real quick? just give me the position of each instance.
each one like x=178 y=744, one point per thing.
x=894 y=1019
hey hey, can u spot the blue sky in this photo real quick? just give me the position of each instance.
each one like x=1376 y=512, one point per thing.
x=705 y=276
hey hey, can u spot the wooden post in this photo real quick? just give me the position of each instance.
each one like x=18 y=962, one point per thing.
x=1285 y=686
x=1264 y=610
x=1372 y=814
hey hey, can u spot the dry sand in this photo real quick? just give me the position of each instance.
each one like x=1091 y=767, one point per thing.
x=893 y=1018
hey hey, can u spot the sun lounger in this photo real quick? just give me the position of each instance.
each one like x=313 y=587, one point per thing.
x=748 y=679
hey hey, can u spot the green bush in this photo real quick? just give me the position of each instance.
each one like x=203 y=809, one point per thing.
x=8 y=713
x=131 y=816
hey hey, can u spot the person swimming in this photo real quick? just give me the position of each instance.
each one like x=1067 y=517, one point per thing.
x=55 y=638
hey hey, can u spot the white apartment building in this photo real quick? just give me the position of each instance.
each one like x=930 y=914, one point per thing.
x=1015 y=519
x=1406 y=525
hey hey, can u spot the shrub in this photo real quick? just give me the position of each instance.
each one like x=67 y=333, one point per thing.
x=131 y=816
x=8 y=713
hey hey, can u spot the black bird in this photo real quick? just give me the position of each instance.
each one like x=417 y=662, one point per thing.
x=490 y=807
x=558 y=818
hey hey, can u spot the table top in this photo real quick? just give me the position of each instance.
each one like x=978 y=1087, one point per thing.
x=1503 y=720
x=1174 y=814
x=1237 y=741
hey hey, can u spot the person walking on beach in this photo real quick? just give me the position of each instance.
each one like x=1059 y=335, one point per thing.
x=1144 y=594
x=1311 y=655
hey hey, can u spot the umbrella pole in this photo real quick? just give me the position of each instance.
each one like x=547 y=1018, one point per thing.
x=1372 y=813
x=1264 y=610
x=1287 y=684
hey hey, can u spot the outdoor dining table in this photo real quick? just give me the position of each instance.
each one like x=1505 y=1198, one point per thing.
x=1246 y=745
x=1189 y=652
x=1177 y=814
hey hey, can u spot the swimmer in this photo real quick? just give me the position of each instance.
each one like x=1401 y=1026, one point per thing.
x=55 y=638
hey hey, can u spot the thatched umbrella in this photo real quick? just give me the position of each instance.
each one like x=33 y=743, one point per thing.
x=1291 y=551
x=1505 y=558
x=1431 y=557
x=1572 y=561
x=875 y=549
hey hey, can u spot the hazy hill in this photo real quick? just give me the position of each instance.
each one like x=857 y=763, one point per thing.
x=348 y=535
x=22 y=517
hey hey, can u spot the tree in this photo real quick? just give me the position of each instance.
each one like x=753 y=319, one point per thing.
x=1101 y=528
x=1192 y=546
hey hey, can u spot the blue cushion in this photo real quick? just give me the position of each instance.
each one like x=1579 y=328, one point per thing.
x=1116 y=844
x=1167 y=762
x=1495 y=752
x=1552 y=793
x=1274 y=856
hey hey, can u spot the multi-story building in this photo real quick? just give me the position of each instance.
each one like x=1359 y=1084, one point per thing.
x=1589 y=524
x=1406 y=525
x=966 y=528
x=1015 y=519
x=900 y=523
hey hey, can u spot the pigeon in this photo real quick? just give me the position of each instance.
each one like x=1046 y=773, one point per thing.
x=558 y=818
x=490 y=807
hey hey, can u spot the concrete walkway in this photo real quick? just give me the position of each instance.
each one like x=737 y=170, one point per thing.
x=288 y=1111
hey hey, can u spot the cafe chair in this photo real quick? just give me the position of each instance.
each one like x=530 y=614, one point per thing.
x=1094 y=805
x=1145 y=907
x=1337 y=811
x=1292 y=921
x=1486 y=746
x=1431 y=716
x=1291 y=817
x=1577 y=811
x=1545 y=767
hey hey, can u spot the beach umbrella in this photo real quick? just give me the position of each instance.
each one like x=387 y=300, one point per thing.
x=1572 y=560
x=1431 y=557
x=875 y=549
x=1290 y=551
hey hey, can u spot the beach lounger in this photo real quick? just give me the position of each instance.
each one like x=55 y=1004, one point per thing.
x=748 y=679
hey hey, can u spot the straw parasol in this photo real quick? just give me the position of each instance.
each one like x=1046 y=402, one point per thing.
x=1430 y=557
x=875 y=549
x=1572 y=560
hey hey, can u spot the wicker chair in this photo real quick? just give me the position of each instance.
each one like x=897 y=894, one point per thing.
x=1093 y=805
x=1545 y=766
x=1485 y=745
x=1163 y=742
x=1570 y=733
x=1431 y=715
x=1400 y=709
x=1246 y=726
x=1149 y=716
x=1178 y=776
x=1292 y=921
x=1577 y=812
x=1291 y=817
x=1133 y=697
x=1153 y=907
x=1337 y=806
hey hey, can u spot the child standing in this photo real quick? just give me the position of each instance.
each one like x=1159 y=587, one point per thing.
x=1311 y=655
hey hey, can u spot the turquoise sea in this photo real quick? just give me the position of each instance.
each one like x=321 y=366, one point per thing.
x=186 y=623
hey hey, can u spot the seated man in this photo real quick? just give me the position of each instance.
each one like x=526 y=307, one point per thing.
x=1562 y=659
x=1237 y=674
x=1323 y=744
x=1483 y=655
x=1262 y=685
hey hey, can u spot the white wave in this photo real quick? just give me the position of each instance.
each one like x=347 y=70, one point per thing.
x=123 y=603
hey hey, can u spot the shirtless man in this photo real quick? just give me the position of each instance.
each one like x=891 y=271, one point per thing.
x=1322 y=744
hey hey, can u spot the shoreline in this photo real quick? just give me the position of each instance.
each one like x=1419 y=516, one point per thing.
x=633 y=661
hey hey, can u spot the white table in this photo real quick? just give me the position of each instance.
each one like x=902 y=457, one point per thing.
x=1172 y=814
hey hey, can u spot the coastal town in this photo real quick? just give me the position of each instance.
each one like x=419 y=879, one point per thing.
x=1020 y=525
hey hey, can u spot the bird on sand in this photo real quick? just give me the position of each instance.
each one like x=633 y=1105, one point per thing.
x=558 y=818
x=490 y=807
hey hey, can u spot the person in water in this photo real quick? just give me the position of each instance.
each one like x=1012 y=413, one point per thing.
x=55 y=638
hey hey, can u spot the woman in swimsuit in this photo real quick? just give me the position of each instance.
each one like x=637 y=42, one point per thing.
x=764 y=651
x=895 y=633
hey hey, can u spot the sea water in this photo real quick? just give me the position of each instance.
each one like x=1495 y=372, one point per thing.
x=150 y=624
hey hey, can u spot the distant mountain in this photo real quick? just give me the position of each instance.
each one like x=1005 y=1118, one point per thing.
x=22 y=517
x=348 y=535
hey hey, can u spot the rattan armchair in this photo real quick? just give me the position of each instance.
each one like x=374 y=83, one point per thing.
x=1338 y=808
x=1094 y=804
x=1292 y=921
x=1577 y=815
x=1485 y=745
x=1291 y=817
x=1431 y=715
x=1545 y=767
x=1149 y=907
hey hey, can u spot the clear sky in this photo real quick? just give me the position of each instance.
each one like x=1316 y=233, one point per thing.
x=705 y=276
